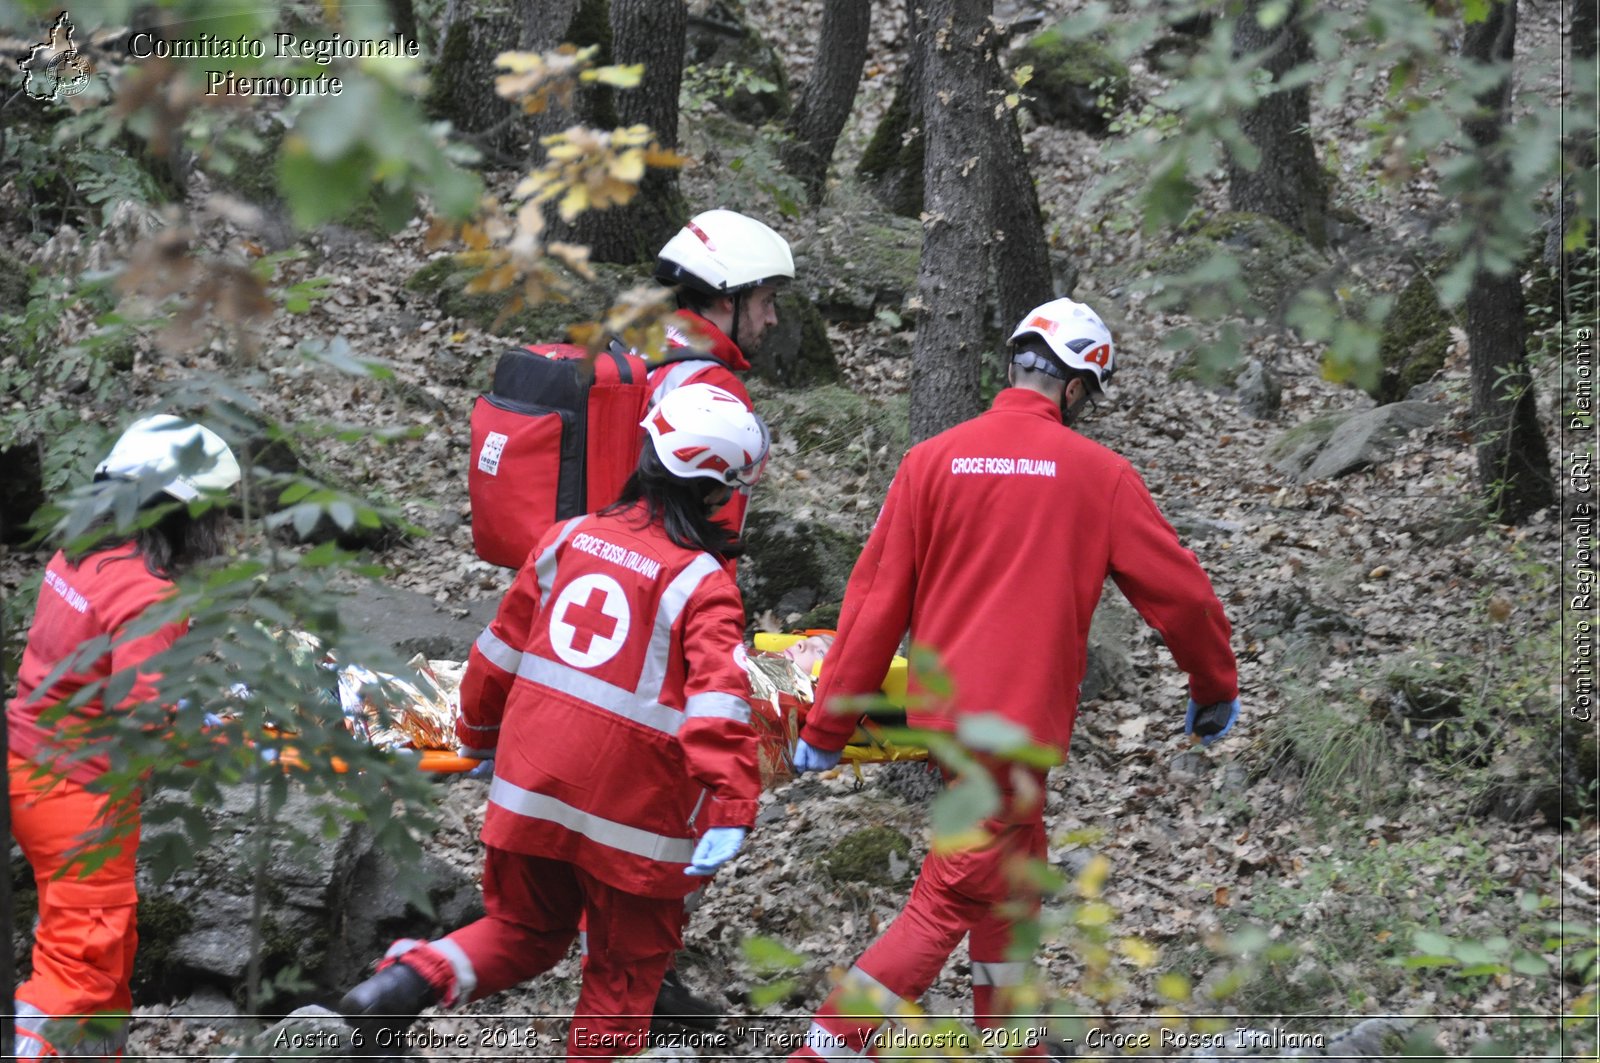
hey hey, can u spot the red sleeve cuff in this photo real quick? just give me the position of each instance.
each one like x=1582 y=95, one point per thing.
x=732 y=813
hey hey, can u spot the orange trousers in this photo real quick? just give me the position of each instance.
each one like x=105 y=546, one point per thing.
x=77 y=1000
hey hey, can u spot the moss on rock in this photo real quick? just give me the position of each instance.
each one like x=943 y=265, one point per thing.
x=798 y=352
x=878 y=856
x=1274 y=263
x=793 y=564
x=1076 y=82
x=1415 y=340
x=853 y=264
x=162 y=922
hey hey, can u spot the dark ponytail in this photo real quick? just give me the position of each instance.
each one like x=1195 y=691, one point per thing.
x=678 y=504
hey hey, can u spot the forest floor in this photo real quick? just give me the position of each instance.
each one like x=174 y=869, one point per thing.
x=1320 y=820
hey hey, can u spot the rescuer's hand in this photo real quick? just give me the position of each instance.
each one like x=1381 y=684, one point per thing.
x=1211 y=722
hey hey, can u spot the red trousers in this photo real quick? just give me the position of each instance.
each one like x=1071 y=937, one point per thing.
x=533 y=909
x=87 y=932
x=980 y=891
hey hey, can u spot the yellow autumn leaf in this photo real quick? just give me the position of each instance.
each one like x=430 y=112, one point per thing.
x=972 y=838
x=493 y=280
x=1092 y=879
x=519 y=62
x=621 y=77
x=1095 y=913
x=1173 y=986
x=1139 y=951
x=629 y=166
x=574 y=203
x=474 y=237
x=662 y=158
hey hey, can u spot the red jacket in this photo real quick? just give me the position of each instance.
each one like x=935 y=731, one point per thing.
x=992 y=548
x=97 y=598
x=611 y=689
x=691 y=330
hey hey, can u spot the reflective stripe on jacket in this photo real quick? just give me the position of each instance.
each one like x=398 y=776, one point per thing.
x=611 y=688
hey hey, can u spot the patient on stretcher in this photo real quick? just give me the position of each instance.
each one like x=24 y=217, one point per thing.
x=783 y=670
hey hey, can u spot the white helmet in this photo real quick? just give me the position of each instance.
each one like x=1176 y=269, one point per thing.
x=1075 y=334
x=702 y=430
x=722 y=252
x=190 y=457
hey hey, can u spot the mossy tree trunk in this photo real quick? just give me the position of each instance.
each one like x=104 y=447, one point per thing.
x=824 y=105
x=404 y=16
x=548 y=25
x=651 y=32
x=955 y=47
x=1513 y=463
x=1022 y=257
x=892 y=165
x=1286 y=184
x=462 y=90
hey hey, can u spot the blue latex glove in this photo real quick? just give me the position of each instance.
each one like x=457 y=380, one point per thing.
x=716 y=848
x=809 y=758
x=1211 y=722
x=484 y=770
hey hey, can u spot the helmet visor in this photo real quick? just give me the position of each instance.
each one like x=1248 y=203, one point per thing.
x=749 y=474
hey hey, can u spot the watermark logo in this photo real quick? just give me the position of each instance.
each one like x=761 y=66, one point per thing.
x=56 y=69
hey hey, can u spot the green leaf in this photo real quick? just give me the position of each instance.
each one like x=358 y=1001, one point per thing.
x=305 y=518
x=768 y=955
x=990 y=733
x=1474 y=11
x=1530 y=964
x=1428 y=941
x=1577 y=237
x=767 y=995
x=1429 y=961
x=1271 y=15
x=316 y=191
x=961 y=807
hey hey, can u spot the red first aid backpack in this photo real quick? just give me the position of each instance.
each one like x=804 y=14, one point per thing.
x=553 y=438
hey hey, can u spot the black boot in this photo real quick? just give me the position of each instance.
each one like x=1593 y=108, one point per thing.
x=677 y=1007
x=381 y=1008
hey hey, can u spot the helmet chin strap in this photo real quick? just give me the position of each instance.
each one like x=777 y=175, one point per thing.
x=738 y=305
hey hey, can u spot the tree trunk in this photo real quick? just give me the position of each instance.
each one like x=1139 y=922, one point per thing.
x=1579 y=150
x=824 y=104
x=1513 y=462
x=546 y=26
x=1022 y=257
x=1286 y=184
x=462 y=90
x=955 y=54
x=651 y=32
x=404 y=17
x=893 y=162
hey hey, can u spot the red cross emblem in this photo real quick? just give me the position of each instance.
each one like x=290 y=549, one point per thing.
x=589 y=621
